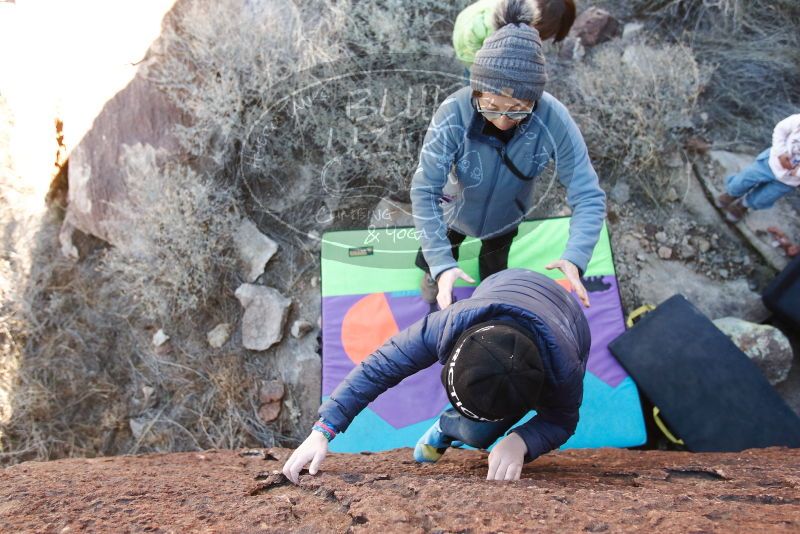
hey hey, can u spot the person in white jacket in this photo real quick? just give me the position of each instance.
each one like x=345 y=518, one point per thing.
x=774 y=173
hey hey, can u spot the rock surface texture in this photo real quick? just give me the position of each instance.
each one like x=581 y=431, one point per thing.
x=764 y=344
x=603 y=490
x=138 y=114
x=219 y=335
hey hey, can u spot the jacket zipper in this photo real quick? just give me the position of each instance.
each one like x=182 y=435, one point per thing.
x=489 y=199
x=494 y=183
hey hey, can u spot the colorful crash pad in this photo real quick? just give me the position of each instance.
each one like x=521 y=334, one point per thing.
x=370 y=291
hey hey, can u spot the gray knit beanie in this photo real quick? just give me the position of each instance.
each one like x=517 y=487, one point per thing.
x=511 y=62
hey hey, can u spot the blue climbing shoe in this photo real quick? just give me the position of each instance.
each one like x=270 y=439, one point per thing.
x=431 y=446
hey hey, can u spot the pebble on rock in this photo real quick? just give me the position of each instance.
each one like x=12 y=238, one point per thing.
x=271 y=391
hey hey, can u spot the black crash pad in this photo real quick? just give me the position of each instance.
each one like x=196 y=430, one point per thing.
x=782 y=296
x=708 y=391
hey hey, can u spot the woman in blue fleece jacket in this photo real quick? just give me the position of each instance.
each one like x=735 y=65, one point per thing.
x=520 y=342
x=483 y=149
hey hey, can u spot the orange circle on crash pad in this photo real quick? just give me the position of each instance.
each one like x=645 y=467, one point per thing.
x=366 y=326
x=563 y=282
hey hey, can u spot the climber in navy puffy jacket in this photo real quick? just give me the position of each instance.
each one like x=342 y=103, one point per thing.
x=520 y=342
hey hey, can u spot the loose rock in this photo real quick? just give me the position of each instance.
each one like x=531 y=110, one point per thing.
x=664 y=253
x=219 y=335
x=687 y=251
x=621 y=192
x=632 y=31
x=264 y=315
x=595 y=26
x=764 y=344
x=271 y=391
x=254 y=248
x=300 y=328
x=703 y=244
x=571 y=49
x=269 y=412
x=270 y=395
x=159 y=338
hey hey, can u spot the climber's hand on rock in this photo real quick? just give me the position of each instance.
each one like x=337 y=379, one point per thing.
x=446 y=281
x=313 y=450
x=507 y=457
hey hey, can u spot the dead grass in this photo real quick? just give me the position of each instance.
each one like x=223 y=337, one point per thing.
x=79 y=375
x=634 y=110
x=752 y=48
x=178 y=255
x=79 y=370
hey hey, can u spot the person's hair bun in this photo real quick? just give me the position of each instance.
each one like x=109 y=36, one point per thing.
x=515 y=12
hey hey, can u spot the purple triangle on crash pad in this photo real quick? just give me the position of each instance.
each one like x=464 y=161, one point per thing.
x=417 y=398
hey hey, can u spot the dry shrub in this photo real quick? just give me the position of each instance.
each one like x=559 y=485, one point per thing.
x=78 y=372
x=753 y=47
x=177 y=255
x=188 y=398
x=267 y=85
x=634 y=110
x=81 y=374
x=66 y=368
x=220 y=59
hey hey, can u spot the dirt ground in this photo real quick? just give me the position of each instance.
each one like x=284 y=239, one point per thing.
x=603 y=490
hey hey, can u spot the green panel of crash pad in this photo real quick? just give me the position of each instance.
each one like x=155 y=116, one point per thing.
x=382 y=260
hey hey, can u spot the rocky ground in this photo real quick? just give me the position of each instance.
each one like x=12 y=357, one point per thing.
x=682 y=245
x=602 y=490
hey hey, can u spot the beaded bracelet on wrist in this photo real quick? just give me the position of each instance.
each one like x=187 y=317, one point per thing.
x=324 y=429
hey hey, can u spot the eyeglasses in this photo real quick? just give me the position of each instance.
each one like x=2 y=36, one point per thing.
x=513 y=115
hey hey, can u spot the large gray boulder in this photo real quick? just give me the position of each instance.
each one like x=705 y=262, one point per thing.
x=764 y=344
x=265 y=311
x=139 y=114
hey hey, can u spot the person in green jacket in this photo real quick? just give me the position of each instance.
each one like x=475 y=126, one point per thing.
x=475 y=23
